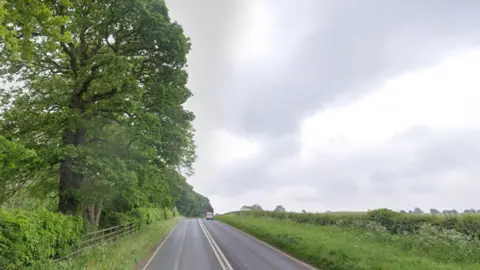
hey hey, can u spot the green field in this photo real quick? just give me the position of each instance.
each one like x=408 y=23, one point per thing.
x=358 y=242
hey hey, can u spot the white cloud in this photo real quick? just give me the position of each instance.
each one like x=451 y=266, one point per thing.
x=258 y=67
x=253 y=31
x=292 y=197
x=229 y=148
x=345 y=147
x=443 y=96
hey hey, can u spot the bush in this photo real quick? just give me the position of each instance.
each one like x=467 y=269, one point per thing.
x=30 y=238
x=141 y=215
x=340 y=248
x=393 y=222
x=111 y=219
x=149 y=215
x=449 y=245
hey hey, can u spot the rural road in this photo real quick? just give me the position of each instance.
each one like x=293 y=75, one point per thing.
x=198 y=244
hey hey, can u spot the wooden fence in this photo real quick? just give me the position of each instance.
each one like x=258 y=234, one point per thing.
x=100 y=237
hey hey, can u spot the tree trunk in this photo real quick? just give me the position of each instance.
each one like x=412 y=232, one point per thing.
x=70 y=180
x=93 y=213
x=98 y=211
x=67 y=203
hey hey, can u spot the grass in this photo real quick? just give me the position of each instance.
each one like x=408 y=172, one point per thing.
x=122 y=254
x=341 y=248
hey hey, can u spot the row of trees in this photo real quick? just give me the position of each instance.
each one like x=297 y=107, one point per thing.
x=193 y=204
x=91 y=115
x=433 y=211
x=257 y=207
x=416 y=210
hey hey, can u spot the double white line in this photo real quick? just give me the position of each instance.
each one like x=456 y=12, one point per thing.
x=216 y=250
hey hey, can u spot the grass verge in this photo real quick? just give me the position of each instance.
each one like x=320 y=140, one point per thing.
x=122 y=254
x=335 y=248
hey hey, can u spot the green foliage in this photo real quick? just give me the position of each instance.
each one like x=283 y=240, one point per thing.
x=34 y=237
x=17 y=165
x=96 y=95
x=393 y=222
x=92 y=120
x=125 y=253
x=345 y=248
x=141 y=215
x=192 y=204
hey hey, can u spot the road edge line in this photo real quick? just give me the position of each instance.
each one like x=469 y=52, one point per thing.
x=272 y=247
x=161 y=244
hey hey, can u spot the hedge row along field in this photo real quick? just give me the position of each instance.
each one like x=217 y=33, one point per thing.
x=380 y=239
x=33 y=238
x=393 y=222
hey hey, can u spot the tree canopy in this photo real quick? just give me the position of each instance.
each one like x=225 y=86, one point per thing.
x=93 y=104
x=192 y=204
x=255 y=207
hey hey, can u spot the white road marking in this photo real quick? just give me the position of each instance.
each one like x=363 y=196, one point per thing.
x=179 y=254
x=216 y=250
x=156 y=251
x=273 y=248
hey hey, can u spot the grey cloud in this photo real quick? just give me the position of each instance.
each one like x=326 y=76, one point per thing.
x=253 y=173
x=448 y=150
x=386 y=172
x=357 y=44
x=328 y=48
x=321 y=50
x=209 y=25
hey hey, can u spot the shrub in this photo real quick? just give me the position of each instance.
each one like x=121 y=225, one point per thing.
x=444 y=244
x=141 y=215
x=31 y=237
x=393 y=222
x=334 y=247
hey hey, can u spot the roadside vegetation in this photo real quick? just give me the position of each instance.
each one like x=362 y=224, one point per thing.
x=93 y=132
x=379 y=239
x=126 y=253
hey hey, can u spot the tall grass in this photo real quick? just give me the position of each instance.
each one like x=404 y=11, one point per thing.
x=367 y=241
x=394 y=222
x=122 y=254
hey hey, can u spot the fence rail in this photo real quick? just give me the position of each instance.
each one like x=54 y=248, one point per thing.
x=100 y=237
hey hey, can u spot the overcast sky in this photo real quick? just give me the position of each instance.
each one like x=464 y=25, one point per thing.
x=334 y=104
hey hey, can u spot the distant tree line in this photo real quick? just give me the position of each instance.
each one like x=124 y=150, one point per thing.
x=416 y=210
x=257 y=207
x=434 y=211
x=192 y=204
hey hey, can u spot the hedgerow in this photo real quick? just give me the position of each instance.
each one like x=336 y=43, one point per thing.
x=393 y=222
x=32 y=237
x=29 y=238
x=141 y=215
x=371 y=247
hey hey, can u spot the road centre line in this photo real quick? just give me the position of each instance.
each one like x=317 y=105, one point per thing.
x=216 y=250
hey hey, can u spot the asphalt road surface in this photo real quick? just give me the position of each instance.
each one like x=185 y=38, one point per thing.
x=198 y=244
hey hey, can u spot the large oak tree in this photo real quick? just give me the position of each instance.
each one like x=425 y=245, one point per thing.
x=96 y=89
